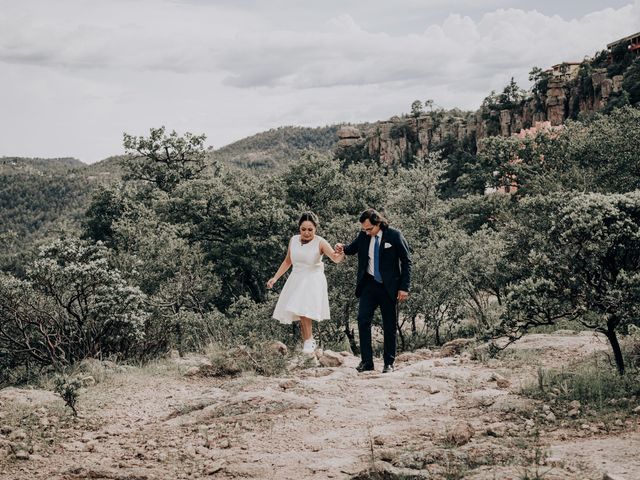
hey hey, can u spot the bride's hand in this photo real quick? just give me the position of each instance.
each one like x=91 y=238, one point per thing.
x=270 y=283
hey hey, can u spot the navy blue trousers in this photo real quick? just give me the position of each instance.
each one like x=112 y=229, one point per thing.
x=373 y=296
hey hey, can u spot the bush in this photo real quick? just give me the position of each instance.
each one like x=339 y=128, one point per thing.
x=69 y=389
x=71 y=306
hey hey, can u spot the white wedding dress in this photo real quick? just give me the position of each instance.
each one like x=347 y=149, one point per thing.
x=305 y=292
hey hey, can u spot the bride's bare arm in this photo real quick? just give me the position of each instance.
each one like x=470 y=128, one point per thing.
x=328 y=250
x=284 y=266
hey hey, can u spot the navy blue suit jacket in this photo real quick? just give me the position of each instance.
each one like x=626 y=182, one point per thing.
x=395 y=261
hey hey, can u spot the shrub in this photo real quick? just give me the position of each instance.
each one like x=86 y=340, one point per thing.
x=69 y=389
x=71 y=306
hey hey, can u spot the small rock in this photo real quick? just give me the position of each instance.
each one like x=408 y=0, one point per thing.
x=88 y=381
x=618 y=423
x=497 y=430
x=378 y=440
x=437 y=363
x=546 y=408
x=204 y=452
x=503 y=383
x=225 y=443
x=637 y=410
x=386 y=455
x=327 y=358
x=574 y=413
x=287 y=384
x=214 y=467
x=22 y=455
x=433 y=391
x=279 y=347
x=611 y=476
x=555 y=462
x=17 y=435
x=585 y=426
x=192 y=371
x=550 y=417
x=575 y=404
x=461 y=434
x=454 y=347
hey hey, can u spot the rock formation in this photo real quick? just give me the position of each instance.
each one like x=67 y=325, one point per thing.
x=400 y=140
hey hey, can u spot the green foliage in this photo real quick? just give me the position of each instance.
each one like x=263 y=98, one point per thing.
x=71 y=306
x=631 y=82
x=416 y=108
x=540 y=80
x=621 y=58
x=277 y=148
x=164 y=160
x=593 y=384
x=582 y=263
x=69 y=389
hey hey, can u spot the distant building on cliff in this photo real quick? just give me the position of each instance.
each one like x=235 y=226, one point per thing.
x=632 y=42
x=565 y=70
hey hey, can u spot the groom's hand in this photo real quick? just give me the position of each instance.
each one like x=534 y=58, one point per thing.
x=402 y=295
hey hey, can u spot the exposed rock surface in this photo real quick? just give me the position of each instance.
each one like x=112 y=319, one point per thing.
x=421 y=421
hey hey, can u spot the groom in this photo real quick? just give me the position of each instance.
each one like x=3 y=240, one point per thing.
x=384 y=274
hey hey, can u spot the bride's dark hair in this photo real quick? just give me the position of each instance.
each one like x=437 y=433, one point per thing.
x=309 y=217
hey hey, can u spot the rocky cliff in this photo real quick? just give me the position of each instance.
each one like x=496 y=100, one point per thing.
x=401 y=139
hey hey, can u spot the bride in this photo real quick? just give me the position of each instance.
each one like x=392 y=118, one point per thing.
x=304 y=296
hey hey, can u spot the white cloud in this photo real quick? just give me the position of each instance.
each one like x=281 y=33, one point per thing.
x=79 y=72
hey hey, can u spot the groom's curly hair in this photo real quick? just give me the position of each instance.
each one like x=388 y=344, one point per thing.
x=375 y=217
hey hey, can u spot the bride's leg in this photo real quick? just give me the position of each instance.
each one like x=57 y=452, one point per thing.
x=305 y=328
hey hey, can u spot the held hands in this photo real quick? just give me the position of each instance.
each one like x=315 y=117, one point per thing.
x=271 y=283
x=402 y=295
x=339 y=248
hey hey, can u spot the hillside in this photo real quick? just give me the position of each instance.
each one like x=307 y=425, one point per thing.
x=33 y=165
x=277 y=147
x=441 y=415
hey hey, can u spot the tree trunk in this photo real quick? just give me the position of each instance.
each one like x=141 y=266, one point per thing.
x=349 y=332
x=437 y=334
x=613 y=340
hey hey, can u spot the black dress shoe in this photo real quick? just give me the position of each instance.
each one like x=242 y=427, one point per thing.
x=364 y=367
x=387 y=369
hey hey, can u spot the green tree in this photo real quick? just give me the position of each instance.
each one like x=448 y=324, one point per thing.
x=577 y=258
x=416 y=108
x=164 y=160
x=631 y=82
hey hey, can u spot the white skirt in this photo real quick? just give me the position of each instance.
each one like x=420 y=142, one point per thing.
x=304 y=295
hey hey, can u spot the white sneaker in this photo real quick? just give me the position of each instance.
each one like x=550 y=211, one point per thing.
x=309 y=346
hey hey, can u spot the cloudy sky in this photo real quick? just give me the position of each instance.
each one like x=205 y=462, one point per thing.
x=76 y=74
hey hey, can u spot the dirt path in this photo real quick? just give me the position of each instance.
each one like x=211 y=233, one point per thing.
x=434 y=417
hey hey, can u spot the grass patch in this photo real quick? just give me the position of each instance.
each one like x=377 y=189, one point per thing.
x=594 y=382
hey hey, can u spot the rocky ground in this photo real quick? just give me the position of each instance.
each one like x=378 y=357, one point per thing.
x=443 y=414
